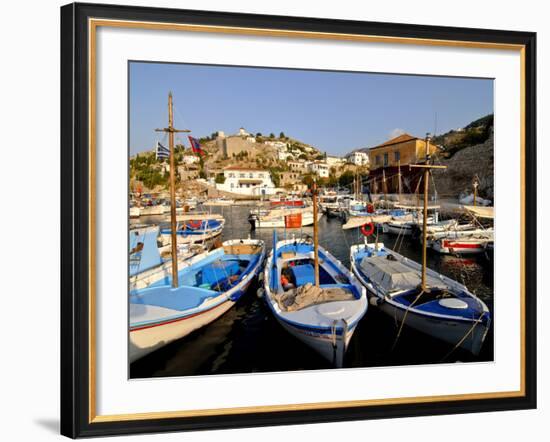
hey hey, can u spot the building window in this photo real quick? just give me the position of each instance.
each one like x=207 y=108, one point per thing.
x=241 y=175
x=397 y=155
x=251 y=175
x=385 y=159
x=378 y=159
x=231 y=175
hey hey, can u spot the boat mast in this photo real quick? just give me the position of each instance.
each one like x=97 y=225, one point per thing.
x=475 y=184
x=427 y=166
x=385 y=186
x=399 y=178
x=171 y=131
x=315 y=234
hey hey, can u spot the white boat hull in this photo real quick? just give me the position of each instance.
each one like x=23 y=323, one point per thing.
x=279 y=223
x=323 y=344
x=146 y=340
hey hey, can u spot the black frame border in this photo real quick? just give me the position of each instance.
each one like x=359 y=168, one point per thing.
x=75 y=220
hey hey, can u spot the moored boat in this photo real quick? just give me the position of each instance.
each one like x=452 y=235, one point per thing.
x=324 y=317
x=209 y=286
x=417 y=296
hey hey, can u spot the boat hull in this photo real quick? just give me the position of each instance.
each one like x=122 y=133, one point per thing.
x=150 y=337
x=146 y=340
x=322 y=343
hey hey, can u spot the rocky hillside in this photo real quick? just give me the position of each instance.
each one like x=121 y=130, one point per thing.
x=467 y=153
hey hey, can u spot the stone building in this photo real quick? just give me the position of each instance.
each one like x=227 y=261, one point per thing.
x=385 y=159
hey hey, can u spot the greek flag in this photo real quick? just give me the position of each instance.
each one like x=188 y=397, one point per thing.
x=161 y=151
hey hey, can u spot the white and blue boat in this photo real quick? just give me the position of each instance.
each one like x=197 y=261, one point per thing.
x=208 y=286
x=446 y=309
x=194 y=228
x=149 y=262
x=324 y=317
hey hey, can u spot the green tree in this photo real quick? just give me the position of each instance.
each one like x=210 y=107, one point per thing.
x=346 y=178
x=271 y=135
x=282 y=135
x=220 y=178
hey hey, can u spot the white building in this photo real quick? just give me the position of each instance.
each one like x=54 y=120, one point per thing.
x=190 y=159
x=358 y=158
x=247 y=181
x=334 y=161
x=320 y=168
x=284 y=156
x=280 y=145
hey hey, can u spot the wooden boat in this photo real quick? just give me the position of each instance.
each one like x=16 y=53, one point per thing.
x=195 y=228
x=447 y=310
x=418 y=296
x=313 y=296
x=150 y=263
x=289 y=218
x=195 y=295
x=222 y=201
x=209 y=286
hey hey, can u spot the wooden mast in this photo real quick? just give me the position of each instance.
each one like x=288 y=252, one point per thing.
x=315 y=234
x=384 y=186
x=399 y=179
x=171 y=131
x=427 y=168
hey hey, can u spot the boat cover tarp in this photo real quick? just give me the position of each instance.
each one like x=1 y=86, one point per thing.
x=308 y=295
x=392 y=276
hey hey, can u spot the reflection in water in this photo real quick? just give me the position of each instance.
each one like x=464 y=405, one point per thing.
x=248 y=339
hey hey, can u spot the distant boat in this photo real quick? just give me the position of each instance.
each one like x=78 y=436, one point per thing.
x=313 y=296
x=194 y=228
x=207 y=288
x=222 y=201
x=134 y=212
x=289 y=218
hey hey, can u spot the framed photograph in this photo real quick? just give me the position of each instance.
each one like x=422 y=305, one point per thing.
x=273 y=220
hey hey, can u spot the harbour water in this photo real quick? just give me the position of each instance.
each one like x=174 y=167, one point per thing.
x=248 y=339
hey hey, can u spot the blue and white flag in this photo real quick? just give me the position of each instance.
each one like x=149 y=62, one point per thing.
x=161 y=151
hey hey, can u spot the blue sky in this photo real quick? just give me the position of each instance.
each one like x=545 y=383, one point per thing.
x=334 y=111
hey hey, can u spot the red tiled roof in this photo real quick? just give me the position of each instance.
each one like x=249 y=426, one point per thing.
x=400 y=139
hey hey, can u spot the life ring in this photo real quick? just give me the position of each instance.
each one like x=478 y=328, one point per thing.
x=194 y=224
x=367 y=229
x=370 y=208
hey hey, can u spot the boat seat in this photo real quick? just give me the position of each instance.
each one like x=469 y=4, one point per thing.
x=303 y=274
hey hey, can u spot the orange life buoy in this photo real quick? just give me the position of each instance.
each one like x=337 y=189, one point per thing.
x=370 y=208
x=194 y=224
x=367 y=229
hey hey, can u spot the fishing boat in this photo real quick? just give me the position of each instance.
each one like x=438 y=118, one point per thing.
x=134 y=211
x=221 y=201
x=208 y=286
x=313 y=296
x=418 y=296
x=152 y=210
x=289 y=218
x=195 y=295
x=150 y=263
x=194 y=228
